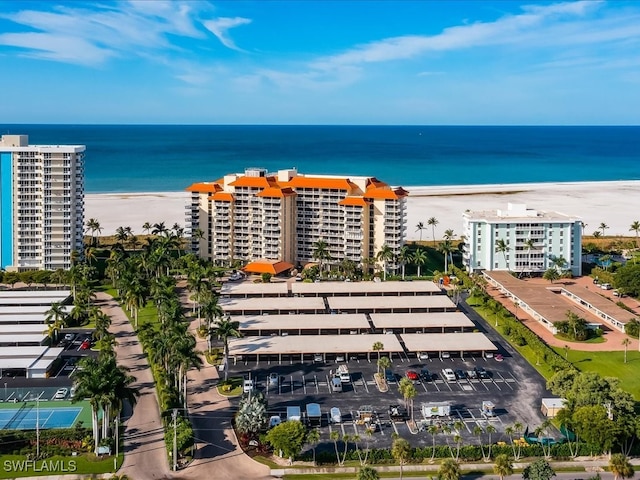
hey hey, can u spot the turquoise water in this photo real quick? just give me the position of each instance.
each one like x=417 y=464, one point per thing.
x=147 y=158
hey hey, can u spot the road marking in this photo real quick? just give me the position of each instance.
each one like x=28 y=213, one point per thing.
x=304 y=386
x=328 y=384
x=494 y=382
x=315 y=380
x=365 y=385
x=505 y=381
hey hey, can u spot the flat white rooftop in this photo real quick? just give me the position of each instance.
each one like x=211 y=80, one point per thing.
x=448 y=342
x=18 y=302
x=45 y=294
x=23 y=319
x=21 y=338
x=25 y=357
x=298 y=344
x=24 y=310
x=249 y=288
x=418 y=320
x=379 y=303
x=6 y=328
x=303 y=322
x=362 y=288
x=271 y=304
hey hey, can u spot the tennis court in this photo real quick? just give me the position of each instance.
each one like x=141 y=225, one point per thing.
x=24 y=416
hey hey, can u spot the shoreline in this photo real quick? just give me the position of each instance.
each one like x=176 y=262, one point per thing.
x=611 y=202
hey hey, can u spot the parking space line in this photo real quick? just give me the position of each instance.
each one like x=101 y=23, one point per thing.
x=473 y=417
x=355 y=428
x=505 y=381
x=463 y=421
x=395 y=429
x=304 y=385
x=447 y=384
x=435 y=383
x=353 y=384
x=514 y=378
x=494 y=382
x=484 y=385
x=328 y=384
x=424 y=386
x=364 y=383
x=379 y=423
x=342 y=428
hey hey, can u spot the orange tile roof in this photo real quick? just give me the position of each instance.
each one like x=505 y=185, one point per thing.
x=204 y=187
x=273 y=267
x=222 y=197
x=385 y=193
x=321 y=182
x=258 y=182
x=276 y=192
x=373 y=182
x=354 y=201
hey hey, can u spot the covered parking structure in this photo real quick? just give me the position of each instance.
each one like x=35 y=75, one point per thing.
x=437 y=343
x=24 y=310
x=248 y=289
x=312 y=324
x=599 y=306
x=23 y=320
x=414 y=304
x=365 y=289
x=272 y=306
x=436 y=322
x=33 y=297
x=305 y=347
x=33 y=362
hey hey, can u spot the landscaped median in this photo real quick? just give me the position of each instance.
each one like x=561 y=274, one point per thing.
x=82 y=465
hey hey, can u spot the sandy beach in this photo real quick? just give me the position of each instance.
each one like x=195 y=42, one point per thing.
x=614 y=203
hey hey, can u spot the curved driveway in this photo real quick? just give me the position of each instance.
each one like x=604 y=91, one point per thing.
x=217 y=454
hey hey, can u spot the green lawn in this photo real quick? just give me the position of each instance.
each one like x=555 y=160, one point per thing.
x=147 y=314
x=236 y=387
x=609 y=364
x=15 y=466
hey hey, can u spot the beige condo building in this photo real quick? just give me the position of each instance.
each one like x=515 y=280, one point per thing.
x=41 y=204
x=279 y=216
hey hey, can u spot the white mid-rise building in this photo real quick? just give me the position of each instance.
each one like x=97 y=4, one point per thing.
x=280 y=216
x=41 y=204
x=521 y=240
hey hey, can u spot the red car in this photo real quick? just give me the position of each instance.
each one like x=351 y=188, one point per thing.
x=86 y=345
x=412 y=375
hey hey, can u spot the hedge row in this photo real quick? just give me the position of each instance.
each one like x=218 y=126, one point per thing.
x=61 y=441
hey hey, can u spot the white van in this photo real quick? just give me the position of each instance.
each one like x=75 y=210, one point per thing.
x=247 y=386
x=336 y=384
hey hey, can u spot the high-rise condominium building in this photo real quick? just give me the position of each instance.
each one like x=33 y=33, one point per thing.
x=280 y=216
x=41 y=204
x=522 y=240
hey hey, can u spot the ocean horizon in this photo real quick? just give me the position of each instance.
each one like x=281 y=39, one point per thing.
x=157 y=158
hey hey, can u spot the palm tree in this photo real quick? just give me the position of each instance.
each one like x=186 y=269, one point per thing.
x=377 y=347
x=503 y=247
x=433 y=431
x=626 y=342
x=385 y=255
x=401 y=452
x=477 y=431
x=367 y=473
x=446 y=248
x=603 y=226
x=313 y=437
x=224 y=329
x=433 y=221
x=529 y=244
x=635 y=227
x=93 y=226
x=55 y=318
x=408 y=391
x=321 y=252
x=551 y=274
x=449 y=470
x=503 y=466
x=419 y=228
x=419 y=258
x=620 y=466
x=404 y=257
x=383 y=363
x=448 y=234
x=146 y=227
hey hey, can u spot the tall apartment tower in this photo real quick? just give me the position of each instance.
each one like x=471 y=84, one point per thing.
x=279 y=216
x=41 y=204
x=533 y=240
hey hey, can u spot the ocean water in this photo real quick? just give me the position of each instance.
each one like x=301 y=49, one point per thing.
x=149 y=158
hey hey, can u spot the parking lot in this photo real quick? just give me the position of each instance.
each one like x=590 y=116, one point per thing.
x=297 y=384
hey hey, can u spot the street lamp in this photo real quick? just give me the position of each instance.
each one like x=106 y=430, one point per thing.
x=175 y=439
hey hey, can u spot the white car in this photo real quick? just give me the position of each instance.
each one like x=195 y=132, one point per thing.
x=69 y=337
x=423 y=356
x=61 y=394
x=274 y=379
x=448 y=375
x=445 y=355
x=247 y=386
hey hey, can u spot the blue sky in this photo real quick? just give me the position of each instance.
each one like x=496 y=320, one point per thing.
x=321 y=62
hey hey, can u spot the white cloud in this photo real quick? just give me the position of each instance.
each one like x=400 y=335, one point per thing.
x=220 y=26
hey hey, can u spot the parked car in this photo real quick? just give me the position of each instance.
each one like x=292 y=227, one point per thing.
x=482 y=373
x=274 y=421
x=448 y=375
x=274 y=379
x=606 y=286
x=247 y=386
x=85 y=345
x=69 y=337
x=61 y=394
x=445 y=355
x=460 y=374
x=412 y=375
x=318 y=357
x=472 y=374
x=425 y=375
x=423 y=356
x=389 y=376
